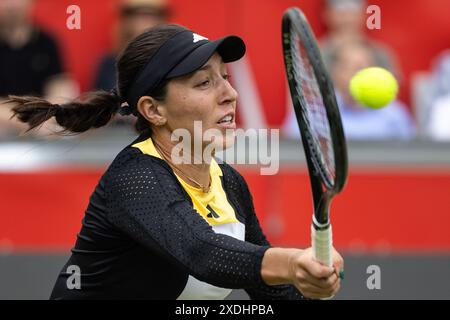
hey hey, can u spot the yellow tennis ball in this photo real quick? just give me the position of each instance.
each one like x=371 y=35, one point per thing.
x=373 y=87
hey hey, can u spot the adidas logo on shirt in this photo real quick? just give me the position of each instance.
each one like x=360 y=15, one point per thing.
x=212 y=213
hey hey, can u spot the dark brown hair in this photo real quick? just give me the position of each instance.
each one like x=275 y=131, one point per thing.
x=95 y=109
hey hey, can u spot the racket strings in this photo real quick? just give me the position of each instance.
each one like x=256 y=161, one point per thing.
x=314 y=109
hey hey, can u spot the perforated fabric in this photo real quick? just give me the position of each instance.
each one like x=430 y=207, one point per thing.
x=238 y=189
x=141 y=238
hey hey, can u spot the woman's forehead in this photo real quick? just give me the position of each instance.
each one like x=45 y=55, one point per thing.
x=215 y=59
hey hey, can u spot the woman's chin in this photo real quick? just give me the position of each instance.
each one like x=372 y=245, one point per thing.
x=218 y=144
x=224 y=142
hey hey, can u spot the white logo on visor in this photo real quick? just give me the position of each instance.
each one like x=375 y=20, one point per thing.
x=198 y=37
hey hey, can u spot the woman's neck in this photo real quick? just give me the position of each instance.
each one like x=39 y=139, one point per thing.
x=193 y=170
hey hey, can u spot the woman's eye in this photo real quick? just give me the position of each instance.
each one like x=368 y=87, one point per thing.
x=226 y=77
x=203 y=83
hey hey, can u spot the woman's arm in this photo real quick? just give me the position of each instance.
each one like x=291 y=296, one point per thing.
x=144 y=200
x=286 y=271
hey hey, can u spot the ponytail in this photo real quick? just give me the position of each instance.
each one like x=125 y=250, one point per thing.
x=96 y=109
x=91 y=110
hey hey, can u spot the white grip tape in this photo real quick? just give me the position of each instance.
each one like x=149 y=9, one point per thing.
x=322 y=243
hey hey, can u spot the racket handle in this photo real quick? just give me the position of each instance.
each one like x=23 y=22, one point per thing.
x=322 y=243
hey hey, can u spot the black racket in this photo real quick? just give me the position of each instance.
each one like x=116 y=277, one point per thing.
x=320 y=124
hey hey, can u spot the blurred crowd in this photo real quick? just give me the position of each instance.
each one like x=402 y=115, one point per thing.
x=31 y=64
x=345 y=50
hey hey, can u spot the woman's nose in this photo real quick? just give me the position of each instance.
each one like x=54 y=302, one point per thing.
x=228 y=94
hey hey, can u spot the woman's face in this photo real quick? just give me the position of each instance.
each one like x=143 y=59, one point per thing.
x=207 y=98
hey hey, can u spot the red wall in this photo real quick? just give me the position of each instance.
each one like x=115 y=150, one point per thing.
x=380 y=210
x=417 y=30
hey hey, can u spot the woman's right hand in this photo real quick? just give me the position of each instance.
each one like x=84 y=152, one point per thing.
x=313 y=279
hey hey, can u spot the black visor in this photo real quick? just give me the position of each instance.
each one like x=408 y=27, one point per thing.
x=182 y=54
x=230 y=48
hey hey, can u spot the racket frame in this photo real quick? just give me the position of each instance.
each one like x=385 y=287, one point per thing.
x=322 y=190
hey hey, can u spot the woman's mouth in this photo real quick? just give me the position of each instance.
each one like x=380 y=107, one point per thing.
x=227 y=122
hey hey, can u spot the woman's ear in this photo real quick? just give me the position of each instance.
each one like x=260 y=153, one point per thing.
x=152 y=110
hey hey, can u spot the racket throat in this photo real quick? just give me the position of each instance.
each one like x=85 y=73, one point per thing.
x=320 y=225
x=321 y=217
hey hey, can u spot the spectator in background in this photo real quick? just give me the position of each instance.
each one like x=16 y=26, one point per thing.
x=390 y=122
x=439 y=117
x=346 y=21
x=135 y=17
x=30 y=62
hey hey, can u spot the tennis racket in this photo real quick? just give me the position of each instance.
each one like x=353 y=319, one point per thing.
x=318 y=118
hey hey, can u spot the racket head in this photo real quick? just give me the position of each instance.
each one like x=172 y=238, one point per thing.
x=315 y=105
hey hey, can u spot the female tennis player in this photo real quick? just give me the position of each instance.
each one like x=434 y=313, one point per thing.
x=155 y=229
